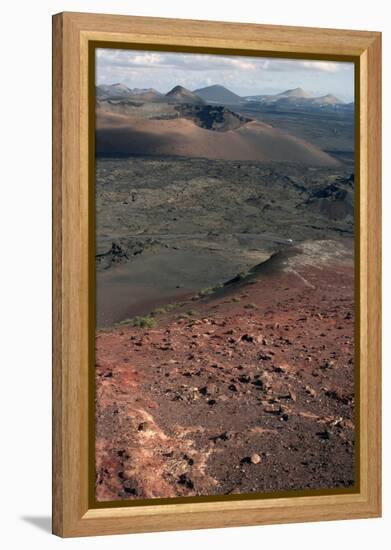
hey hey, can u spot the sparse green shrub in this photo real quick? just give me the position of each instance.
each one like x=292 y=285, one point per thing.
x=210 y=290
x=158 y=311
x=142 y=322
x=217 y=287
x=235 y=299
x=170 y=307
x=205 y=292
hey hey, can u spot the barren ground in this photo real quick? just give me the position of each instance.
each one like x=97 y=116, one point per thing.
x=248 y=390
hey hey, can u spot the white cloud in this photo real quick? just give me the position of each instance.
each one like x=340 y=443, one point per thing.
x=208 y=62
x=193 y=62
x=244 y=75
x=328 y=66
x=302 y=65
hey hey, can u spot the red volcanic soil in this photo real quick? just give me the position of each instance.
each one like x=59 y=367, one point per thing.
x=253 y=393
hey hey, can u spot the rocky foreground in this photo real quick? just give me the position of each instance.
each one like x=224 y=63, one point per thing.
x=248 y=390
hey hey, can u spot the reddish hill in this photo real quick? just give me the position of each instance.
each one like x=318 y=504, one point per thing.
x=120 y=134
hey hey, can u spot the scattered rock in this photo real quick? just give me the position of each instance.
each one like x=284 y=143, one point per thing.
x=338 y=396
x=265 y=356
x=282 y=367
x=143 y=426
x=323 y=435
x=247 y=338
x=309 y=415
x=255 y=458
x=184 y=480
x=272 y=408
x=225 y=436
x=283 y=392
x=293 y=395
x=188 y=459
x=337 y=422
x=265 y=380
x=310 y=391
x=327 y=364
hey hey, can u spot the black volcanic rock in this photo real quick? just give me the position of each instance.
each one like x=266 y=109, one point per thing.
x=212 y=117
x=335 y=200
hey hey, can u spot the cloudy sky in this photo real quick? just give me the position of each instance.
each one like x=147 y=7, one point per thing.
x=242 y=75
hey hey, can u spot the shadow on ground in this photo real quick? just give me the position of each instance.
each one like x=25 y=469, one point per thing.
x=44 y=523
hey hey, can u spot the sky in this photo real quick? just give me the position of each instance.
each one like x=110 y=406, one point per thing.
x=242 y=75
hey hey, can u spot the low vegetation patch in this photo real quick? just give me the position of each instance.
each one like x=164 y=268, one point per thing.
x=165 y=309
x=208 y=291
x=142 y=322
x=158 y=311
x=205 y=292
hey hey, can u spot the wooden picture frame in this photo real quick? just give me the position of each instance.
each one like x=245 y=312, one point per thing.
x=73 y=34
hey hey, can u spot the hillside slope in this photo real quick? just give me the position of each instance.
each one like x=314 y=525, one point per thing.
x=122 y=135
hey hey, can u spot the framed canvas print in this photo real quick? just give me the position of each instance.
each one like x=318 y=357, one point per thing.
x=216 y=305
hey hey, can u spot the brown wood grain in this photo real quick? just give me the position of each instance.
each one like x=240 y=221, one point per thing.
x=373 y=182
x=57 y=465
x=71 y=229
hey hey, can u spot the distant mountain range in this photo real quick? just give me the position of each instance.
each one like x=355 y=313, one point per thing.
x=213 y=122
x=294 y=97
x=295 y=92
x=121 y=91
x=179 y=94
x=218 y=95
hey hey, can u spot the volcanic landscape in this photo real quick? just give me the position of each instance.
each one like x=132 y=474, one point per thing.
x=225 y=293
